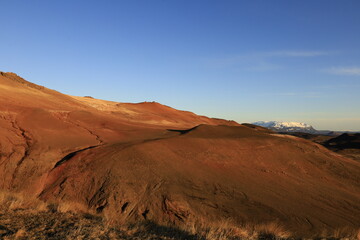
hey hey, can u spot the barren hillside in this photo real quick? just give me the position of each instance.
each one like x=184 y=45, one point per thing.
x=146 y=161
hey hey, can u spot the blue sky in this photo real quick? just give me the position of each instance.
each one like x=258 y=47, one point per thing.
x=241 y=60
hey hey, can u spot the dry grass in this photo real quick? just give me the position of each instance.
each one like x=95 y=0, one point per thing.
x=345 y=233
x=15 y=201
x=25 y=218
x=21 y=225
x=71 y=207
x=226 y=229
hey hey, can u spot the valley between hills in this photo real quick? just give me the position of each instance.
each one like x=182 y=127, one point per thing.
x=84 y=168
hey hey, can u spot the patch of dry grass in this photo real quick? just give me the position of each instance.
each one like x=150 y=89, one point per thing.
x=22 y=224
x=14 y=201
x=345 y=233
x=26 y=218
x=225 y=229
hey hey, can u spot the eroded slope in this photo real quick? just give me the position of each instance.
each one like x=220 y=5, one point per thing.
x=132 y=162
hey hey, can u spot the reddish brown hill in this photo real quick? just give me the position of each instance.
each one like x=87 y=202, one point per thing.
x=39 y=125
x=344 y=141
x=149 y=161
x=346 y=144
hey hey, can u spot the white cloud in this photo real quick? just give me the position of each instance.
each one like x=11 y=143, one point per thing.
x=294 y=94
x=355 y=71
x=301 y=94
x=262 y=61
x=295 y=54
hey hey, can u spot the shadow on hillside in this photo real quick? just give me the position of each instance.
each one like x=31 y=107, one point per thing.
x=152 y=228
x=182 y=131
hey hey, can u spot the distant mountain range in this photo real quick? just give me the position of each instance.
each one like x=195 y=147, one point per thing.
x=291 y=127
x=286 y=126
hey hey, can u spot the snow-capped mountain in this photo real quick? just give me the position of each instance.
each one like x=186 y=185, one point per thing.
x=286 y=126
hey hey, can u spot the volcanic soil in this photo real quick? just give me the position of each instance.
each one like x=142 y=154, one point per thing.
x=138 y=162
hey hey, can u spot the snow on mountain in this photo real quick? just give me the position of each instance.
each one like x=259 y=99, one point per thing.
x=286 y=126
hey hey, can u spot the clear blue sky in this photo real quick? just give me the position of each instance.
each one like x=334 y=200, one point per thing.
x=241 y=60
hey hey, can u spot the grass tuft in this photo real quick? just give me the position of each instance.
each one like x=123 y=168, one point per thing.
x=26 y=218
